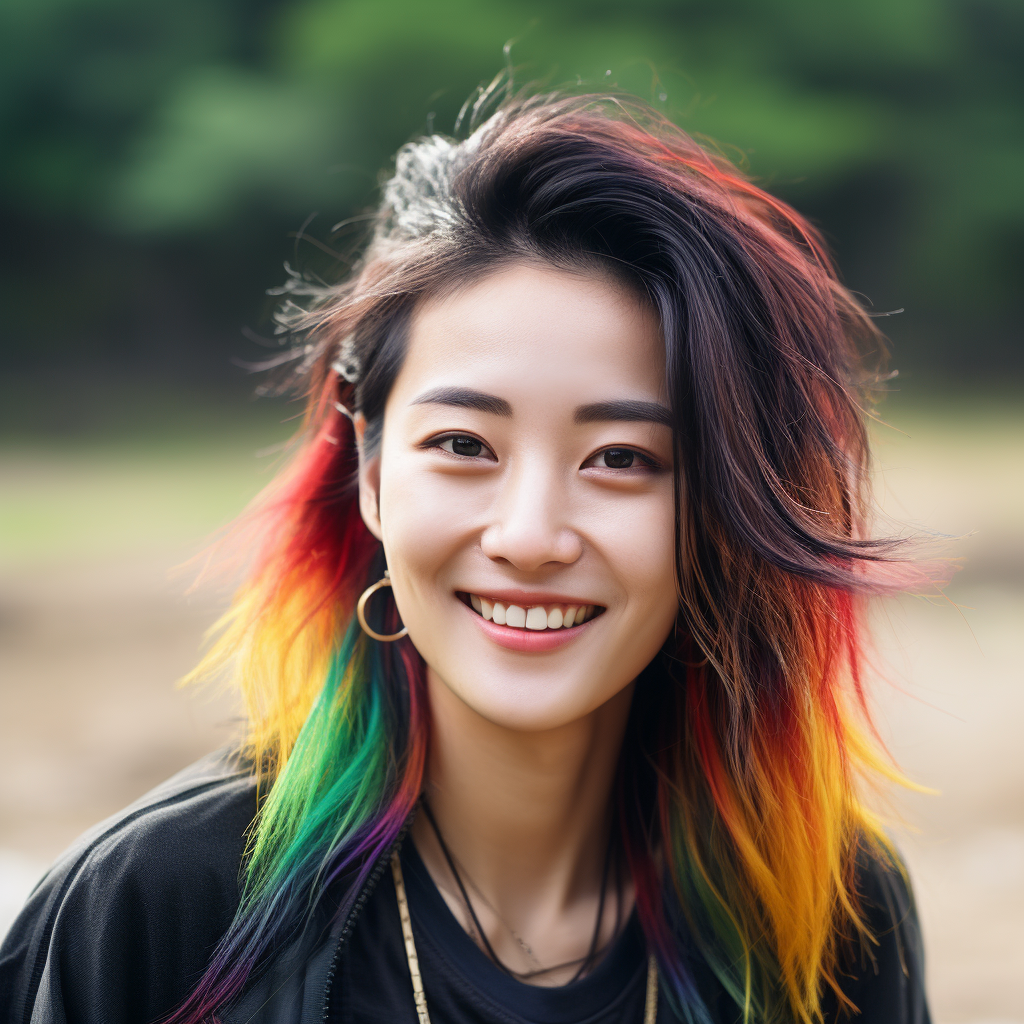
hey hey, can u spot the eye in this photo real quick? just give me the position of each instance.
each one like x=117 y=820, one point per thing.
x=463 y=445
x=616 y=458
x=623 y=459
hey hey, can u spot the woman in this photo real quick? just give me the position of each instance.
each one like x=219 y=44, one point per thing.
x=551 y=637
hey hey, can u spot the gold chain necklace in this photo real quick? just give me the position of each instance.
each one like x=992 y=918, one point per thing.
x=650 y=1002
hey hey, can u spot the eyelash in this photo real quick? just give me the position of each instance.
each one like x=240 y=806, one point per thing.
x=648 y=461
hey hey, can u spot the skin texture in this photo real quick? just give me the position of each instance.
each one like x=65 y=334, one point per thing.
x=525 y=743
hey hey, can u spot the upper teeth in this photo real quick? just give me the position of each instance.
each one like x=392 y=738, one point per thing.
x=538 y=616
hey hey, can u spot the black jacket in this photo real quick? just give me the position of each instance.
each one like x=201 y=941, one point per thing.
x=122 y=927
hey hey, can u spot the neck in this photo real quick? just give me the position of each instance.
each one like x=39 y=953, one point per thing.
x=527 y=818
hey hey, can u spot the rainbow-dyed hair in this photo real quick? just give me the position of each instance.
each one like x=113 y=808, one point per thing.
x=749 y=734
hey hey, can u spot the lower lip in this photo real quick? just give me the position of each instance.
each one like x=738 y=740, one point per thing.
x=527 y=641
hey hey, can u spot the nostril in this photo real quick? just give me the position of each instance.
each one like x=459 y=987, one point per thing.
x=529 y=547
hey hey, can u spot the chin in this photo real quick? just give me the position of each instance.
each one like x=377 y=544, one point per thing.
x=528 y=703
x=528 y=717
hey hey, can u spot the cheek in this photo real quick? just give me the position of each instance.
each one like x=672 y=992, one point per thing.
x=637 y=541
x=422 y=535
x=642 y=554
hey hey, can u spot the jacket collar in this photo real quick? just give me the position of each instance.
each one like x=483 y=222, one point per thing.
x=295 y=987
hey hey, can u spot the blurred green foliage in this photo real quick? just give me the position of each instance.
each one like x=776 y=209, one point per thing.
x=157 y=156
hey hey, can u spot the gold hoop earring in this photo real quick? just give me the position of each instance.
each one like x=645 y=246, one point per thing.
x=361 y=611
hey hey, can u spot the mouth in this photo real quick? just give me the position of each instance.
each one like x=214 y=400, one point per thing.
x=556 y=615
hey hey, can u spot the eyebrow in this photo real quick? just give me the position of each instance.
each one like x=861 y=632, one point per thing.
x=623 y=411
x=465 y=398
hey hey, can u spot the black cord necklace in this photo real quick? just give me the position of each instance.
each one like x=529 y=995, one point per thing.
x=584 y=963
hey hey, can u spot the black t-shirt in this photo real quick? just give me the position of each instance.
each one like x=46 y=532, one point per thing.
x=461 y=983
x=463 y=986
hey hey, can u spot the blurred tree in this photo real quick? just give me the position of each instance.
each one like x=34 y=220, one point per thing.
x=157 y=156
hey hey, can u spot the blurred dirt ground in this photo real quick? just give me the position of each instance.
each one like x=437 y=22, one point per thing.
x=93 y=635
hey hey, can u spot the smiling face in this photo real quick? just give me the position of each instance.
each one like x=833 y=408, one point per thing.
x=523 y=493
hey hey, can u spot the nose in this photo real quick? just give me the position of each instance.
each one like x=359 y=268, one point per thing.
x=530 y=527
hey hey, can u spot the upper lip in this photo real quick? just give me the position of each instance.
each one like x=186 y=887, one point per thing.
x=530 y=598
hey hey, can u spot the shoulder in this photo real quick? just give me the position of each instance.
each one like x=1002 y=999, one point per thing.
x=882 y=972
x=124 y=922
x=189 y=831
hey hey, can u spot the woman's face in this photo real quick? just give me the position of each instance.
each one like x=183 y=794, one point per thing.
x=523 y=493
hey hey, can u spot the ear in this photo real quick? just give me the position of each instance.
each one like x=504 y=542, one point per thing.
x=369 y=481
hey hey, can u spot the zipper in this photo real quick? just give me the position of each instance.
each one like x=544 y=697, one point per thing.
x=357 y=906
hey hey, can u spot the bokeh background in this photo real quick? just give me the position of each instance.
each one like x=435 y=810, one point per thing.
x=161 y=162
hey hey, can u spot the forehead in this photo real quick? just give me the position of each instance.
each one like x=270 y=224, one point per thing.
x=537 y=335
